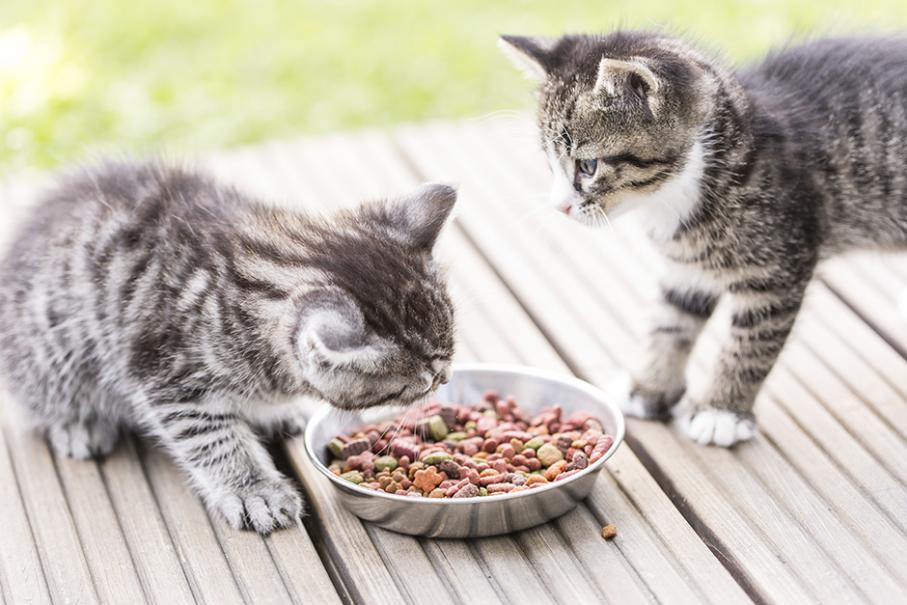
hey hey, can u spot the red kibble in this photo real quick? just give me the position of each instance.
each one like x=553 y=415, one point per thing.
x=566 y=474
x=490 y=453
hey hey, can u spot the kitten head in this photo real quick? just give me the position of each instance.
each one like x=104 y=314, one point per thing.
x=619 y=116
x=380 y=329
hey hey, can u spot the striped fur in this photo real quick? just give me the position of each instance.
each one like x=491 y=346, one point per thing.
x=745 y=181
x=150 y=297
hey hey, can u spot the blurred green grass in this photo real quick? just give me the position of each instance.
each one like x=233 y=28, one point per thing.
x=79 y=77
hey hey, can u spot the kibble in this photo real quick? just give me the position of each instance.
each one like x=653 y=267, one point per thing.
x=609 y=531
x=458 y=451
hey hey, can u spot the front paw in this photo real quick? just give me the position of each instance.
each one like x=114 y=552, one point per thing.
x=264 y=506
x=713 y=426
x=638 y=402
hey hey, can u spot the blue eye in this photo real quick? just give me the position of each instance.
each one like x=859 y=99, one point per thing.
x=586 y=168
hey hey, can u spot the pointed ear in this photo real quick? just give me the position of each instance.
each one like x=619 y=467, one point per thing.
x=420 y=216
x=619 y=76
x=529 y=55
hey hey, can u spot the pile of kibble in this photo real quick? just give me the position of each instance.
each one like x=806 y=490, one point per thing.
x=461 y=451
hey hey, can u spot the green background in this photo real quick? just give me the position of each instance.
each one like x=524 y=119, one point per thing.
x=82 y=77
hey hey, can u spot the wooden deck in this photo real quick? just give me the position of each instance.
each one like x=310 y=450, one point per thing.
x=814 y=509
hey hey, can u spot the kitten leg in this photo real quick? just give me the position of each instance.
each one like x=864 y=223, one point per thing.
x=230 y=467
x=658 y=380
x=760 y=325
x=274 y=420
x=83 y=438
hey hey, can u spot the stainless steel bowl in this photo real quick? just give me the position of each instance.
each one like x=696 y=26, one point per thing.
x=473 y=517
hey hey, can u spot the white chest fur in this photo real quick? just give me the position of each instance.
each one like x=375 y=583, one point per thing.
x=661 y=212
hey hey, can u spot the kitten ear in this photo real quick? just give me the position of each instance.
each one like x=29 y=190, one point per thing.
x=333 y=331
x=420 y=215
x=617 y=76
x=529 y=54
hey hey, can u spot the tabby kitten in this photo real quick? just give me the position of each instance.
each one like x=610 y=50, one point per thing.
x=743 y=180
x=151 y=297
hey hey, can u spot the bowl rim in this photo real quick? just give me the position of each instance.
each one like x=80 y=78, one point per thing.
x=592 y=390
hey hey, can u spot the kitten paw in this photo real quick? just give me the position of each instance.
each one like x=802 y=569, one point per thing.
x=263 y=506
x=83 y=440
x=291 y=426
x=639 y=403
x=710 y=426
x=285 y=422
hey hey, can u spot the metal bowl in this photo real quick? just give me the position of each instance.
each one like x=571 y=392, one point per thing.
x=473 y=517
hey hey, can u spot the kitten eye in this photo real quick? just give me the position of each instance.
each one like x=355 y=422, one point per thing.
x=586 y=167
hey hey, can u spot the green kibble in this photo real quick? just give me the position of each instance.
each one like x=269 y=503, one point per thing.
x=470 y=425
x=437 y=458
x=336 y=447
x=385 y=463
x=437 y=428
x=353 y=477
x=483 y=491
x=490 y=413
x=534 y=443
x=455 y=437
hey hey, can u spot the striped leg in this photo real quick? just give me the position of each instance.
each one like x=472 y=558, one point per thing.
x=657 y=382
x=276 y=420
x=229 y=466
x=760 y=325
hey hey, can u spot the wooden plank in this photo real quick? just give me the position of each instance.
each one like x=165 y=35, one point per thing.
x=362 y=569
x=873 y=369
x=507 y=323
x=199 y=552
x=249 y=170
x=572 y=584
x=226 y=566
x=252 y=565
x=878 y=306
x=300 y=567
x=146 y=533
x=819 y=528
x=470 y=583
x=406 y=550
x=773 y=571
x=20 y=566
x=57 y=540
x=414 y=572
x=106 y=552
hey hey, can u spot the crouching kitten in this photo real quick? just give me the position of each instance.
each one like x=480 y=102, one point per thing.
x=153 y=298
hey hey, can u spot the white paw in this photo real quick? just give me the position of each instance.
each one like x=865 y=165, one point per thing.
x=717 y=427
x=83 y=440
x=263 y=506
x=637 y=405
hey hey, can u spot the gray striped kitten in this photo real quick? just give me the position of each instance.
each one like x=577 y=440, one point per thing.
x=150 y=297
x=744 y=181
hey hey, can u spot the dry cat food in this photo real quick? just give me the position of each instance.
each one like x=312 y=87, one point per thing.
x=461 y=451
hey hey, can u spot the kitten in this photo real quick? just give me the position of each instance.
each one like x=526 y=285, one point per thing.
x=151 y=297
x=743 y=180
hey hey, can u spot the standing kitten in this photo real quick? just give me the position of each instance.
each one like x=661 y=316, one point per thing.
x=151 y=297
x=744 y=181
